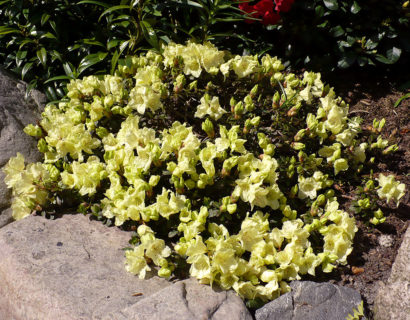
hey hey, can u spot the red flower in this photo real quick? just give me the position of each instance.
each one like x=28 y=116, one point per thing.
x=263 y=6
x=270 y=17
x=283 y=5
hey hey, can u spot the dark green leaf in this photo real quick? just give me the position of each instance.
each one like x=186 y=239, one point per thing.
x=91 y=60
x=331 y=4
x=42 y=56
x=114 y=61
x=355 y=8
x=362 y=61
x=51 y=94
x=337 y=31
x=346 y=61
x=68 y=69
x=57 y=78
x=44 y=18
x=319 y=11
x=112 y=9
x=6 y=30
x=25 y=69
x=113 y=43
x=98 y=3
x=149 y=34
x=391 y=57
x=48 y=35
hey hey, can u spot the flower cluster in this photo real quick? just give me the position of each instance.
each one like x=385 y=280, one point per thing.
x=227 y=163
x=264 y=10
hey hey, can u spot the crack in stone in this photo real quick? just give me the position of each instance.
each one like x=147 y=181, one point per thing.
x=184 y=294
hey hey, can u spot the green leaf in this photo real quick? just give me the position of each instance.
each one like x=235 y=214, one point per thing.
x=25 y=69
x=346 y=61
x=6 y=30
x=393 y=54
x=98 y=3
x=397 y=103
x=320 y=11
x=149 y=34
x=331 y=4
x=68 y=69
x=337 y=31
x=51 y=94
x=113 y=43
x=24 y=42
x=48 y=35
x=112 y=9
x=91 y=60
x=42 y=56
x=57 y=78
x=44 y=18
x=355 y=8
x=391 y=57
x=114 y=61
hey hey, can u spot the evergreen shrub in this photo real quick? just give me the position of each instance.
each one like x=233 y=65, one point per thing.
x=223 y=164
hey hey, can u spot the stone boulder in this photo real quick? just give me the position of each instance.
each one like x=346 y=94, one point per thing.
x=393 y=299
x=186 y=300
x=73 y=268
x=15 y=113
x=311 y=301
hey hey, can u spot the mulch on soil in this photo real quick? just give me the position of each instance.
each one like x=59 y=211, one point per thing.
x=375 y=247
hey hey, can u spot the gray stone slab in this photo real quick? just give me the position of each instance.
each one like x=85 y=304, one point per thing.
x=186 y=300
x=6 y=217
x=393 y=299
x=68 y=268
x=311 y=301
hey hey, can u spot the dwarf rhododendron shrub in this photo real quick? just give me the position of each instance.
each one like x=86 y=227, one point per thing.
x=226 y=166
x=266 y=10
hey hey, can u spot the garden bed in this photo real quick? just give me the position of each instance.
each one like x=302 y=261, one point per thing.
x=375 y=247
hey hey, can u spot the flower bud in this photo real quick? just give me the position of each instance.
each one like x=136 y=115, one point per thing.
x=330 y=194
x=164 y=272
x=254 y=90
x=390 y=149
x=321 y=200
x=231 y=208
x=179 y=83
x=300 y=134
x=255 y=121
x=369 y=186
x=32 y=130
x=208 y=127
x=193 y=85
x=378 y=214
x=270 y=149
x=101 y=132
x=153 y=180
x=239 y=109
x=293 y=191
x=42 y=145
x=297 y=145
x=275 y=100
x=294 y=110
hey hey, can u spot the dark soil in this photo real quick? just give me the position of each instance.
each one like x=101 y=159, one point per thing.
x=375 y=248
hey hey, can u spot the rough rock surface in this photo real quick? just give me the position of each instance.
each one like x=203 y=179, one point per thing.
x=15 y=113
x=186 y=300
x=393 y=299
x=311 y=301
x=73 y=268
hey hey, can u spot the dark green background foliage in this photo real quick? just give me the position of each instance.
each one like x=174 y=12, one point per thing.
x=62 y=39
x=329 y=34
x=51 y=41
